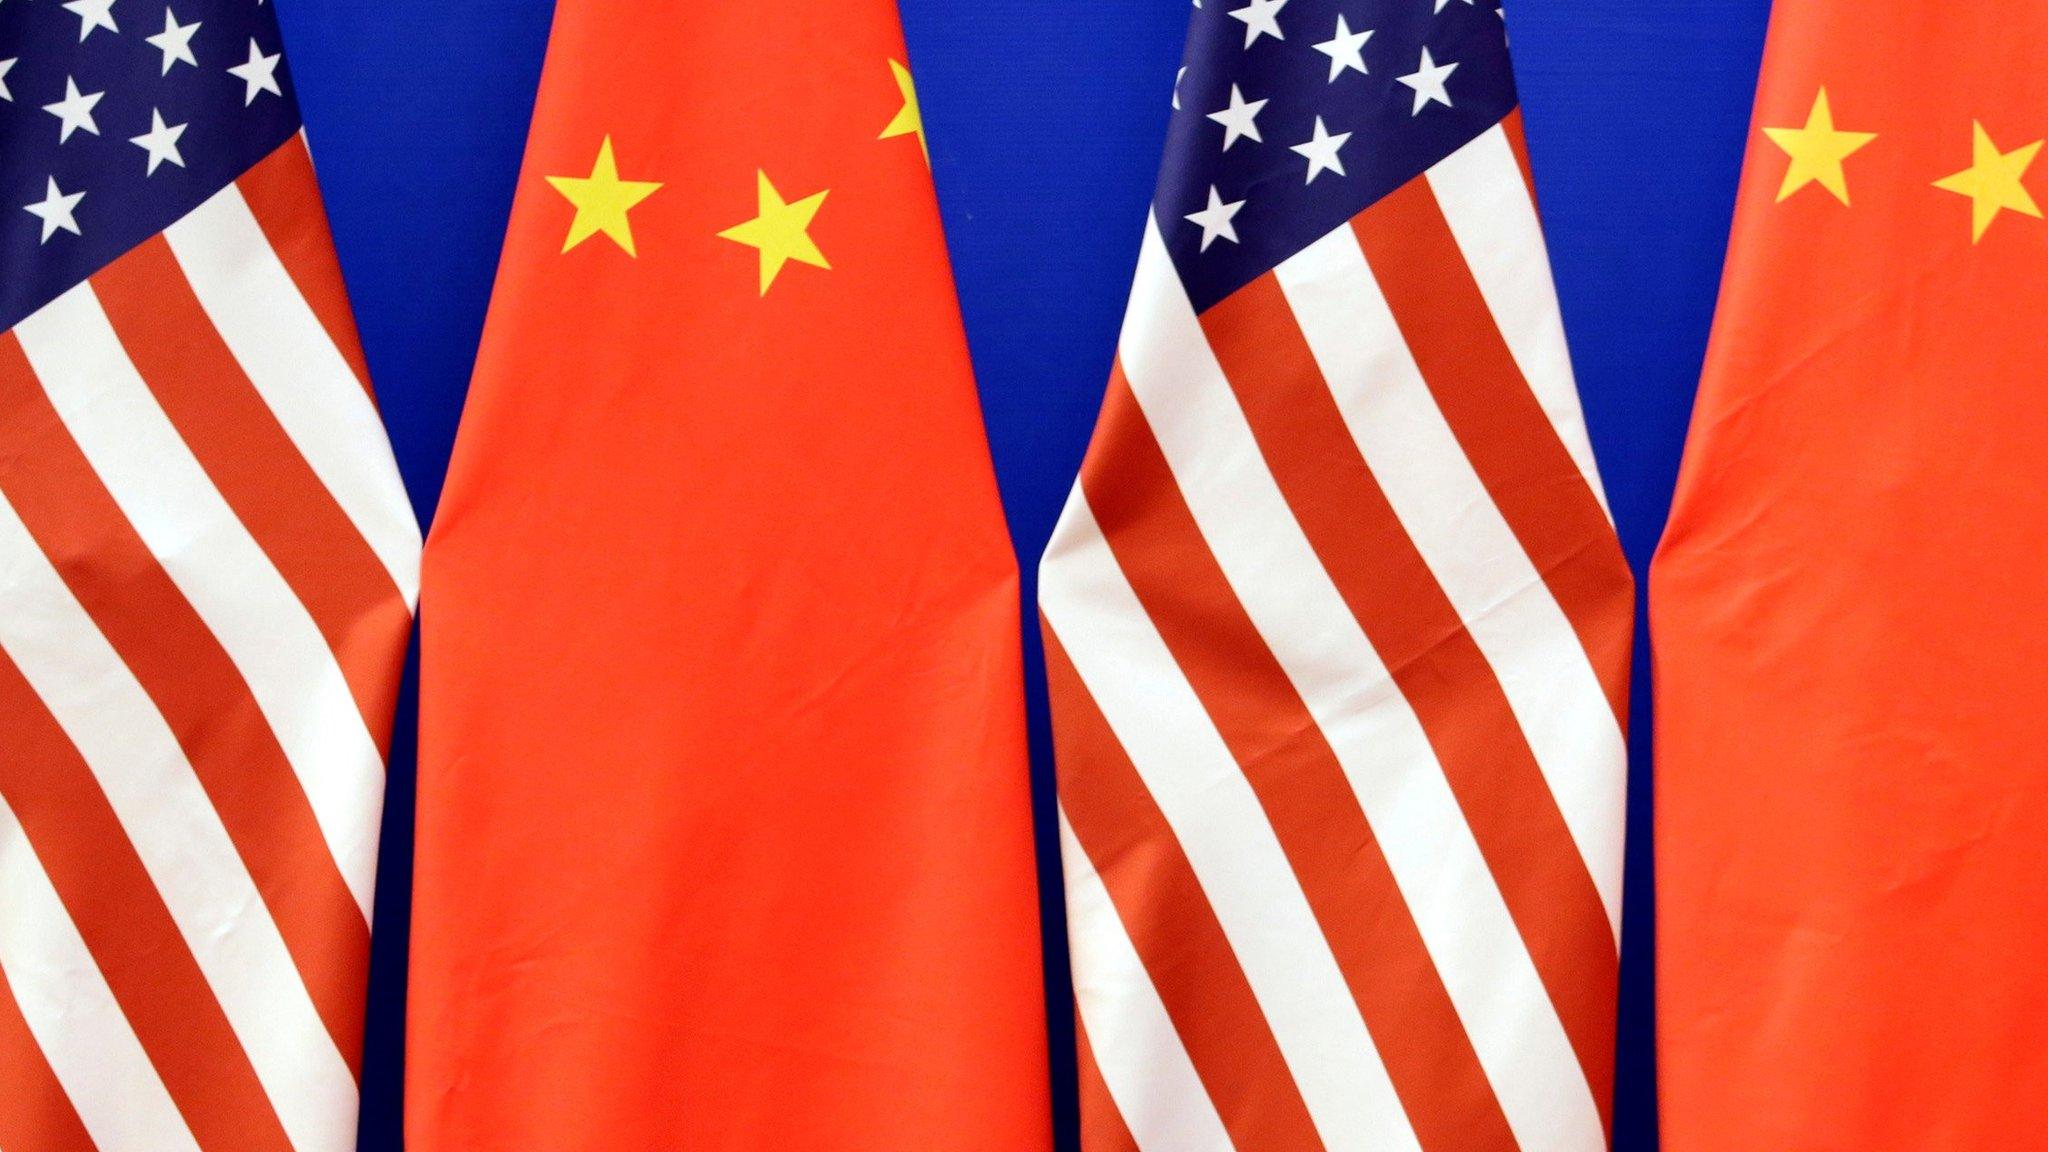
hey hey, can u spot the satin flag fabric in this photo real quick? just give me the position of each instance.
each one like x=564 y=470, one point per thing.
x=208 y=566
x=1338 y=628
x=724 y=830
x=1846 y=610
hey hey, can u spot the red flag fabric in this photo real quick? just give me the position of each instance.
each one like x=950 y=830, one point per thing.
x=724 y=830
x=1846 y=608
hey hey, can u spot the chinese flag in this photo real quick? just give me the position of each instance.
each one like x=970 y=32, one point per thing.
x=1848 y=608
x=724 y=829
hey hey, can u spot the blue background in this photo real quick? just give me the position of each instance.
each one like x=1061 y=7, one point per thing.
x=1045 y=120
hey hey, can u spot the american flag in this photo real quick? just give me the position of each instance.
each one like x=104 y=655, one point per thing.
x=207 y=573
x=1337 y=623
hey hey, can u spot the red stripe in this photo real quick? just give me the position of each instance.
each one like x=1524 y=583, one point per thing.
x=1432 y=657
x=1300 y=783
x=1170 y=922
x=1503 y=430
x=1102 y=1122
x=285 y=197
x=37 y=1116
x=111 y=898
x=196 y=686
x=260 y=472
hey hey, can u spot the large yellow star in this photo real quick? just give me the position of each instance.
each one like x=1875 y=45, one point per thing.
x=1817 y=151
x=1992 y=181
x=909 y=120
x=781 y=231
x=602 y=201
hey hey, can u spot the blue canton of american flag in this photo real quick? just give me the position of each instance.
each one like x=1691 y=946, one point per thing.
x=118 y=117
x=208 y=566
x=1290 y=116
x=1337 y=624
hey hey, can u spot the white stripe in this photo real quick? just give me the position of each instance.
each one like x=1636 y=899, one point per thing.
x=1220 y=824
x=219 y=567
x=1486 y=200
x=1303 y=618
x=72 y=1013
x=1148 y=1070
x=1542 y=666
x=181 y=840
x=278 y=340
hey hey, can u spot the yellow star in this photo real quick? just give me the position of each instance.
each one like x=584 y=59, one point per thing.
x=781 y=231
x=1817 y=151
x=909 y=120
x=602 y=201
x=1992 y=181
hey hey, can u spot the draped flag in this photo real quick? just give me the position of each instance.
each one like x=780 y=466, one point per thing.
x=724 y=821
x=207 y=568
x=1338 y=625
x=1846 y=608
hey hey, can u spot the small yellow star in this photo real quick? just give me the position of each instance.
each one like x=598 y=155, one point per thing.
x=602 y=201
x=909 y=120
x=1817 y=151
x=780 y=231
x=1992 y=181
